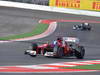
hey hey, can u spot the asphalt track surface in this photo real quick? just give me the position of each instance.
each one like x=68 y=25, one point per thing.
x=13 y=53
x=16 y=21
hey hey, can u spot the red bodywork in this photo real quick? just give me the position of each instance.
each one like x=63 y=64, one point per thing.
x=66 y=48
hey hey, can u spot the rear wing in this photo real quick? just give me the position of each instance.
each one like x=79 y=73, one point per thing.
x=71 y=39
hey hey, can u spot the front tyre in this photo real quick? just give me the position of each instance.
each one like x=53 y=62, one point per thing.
x=34 y=46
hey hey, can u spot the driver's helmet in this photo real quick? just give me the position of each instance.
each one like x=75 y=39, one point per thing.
x=59 y=39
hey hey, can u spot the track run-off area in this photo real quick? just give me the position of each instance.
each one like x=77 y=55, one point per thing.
x=12 y=53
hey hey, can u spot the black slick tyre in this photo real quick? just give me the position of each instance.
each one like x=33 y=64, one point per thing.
x=80 y=54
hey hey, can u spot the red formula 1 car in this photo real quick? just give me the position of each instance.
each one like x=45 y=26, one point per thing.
x=65 y=46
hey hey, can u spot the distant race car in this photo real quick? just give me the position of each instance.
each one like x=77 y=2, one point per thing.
x=83 y=26
x=67 y=46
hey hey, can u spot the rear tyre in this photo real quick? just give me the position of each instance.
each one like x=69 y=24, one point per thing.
x=80 y=54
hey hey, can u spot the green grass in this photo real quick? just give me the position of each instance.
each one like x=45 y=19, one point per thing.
x=40 y=28
x=91 y=67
